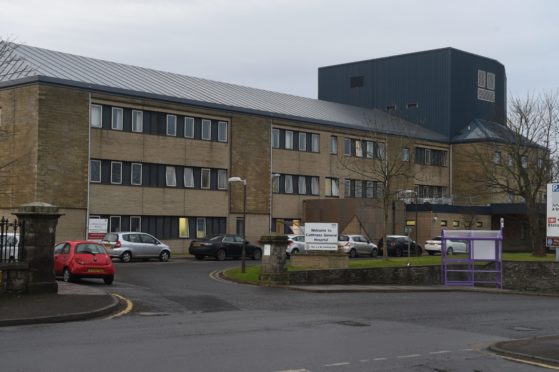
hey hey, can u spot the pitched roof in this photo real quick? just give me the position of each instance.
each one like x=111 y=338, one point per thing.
x=37 y=64
x=480 y=130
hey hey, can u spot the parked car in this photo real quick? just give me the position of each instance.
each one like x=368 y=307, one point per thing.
x=398 y=246
x=357 y=245
x=222 y=247
x=83 y=259
x=433 y=246
x=9 y=247
x=128 y=245
x=295 y=244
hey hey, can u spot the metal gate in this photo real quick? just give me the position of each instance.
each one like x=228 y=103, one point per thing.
x=11 y=246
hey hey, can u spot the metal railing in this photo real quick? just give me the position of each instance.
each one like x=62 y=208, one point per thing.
x=11 y=246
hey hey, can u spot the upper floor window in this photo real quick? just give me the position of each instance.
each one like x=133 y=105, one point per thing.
x=116 y=172
x=137 y=121
x=188 y=177
x=347 y=188
x=315 y=189
x=405 y=154
x=276 y=184
x=510 y=161
x=347 y=146
x=302 y=141
x=358 y=149
x=170 y=176
x=358 y=189
x=189 y=127
x=205 y=180
x=497 y=157
x=96 y=116
x=95 y=171
x=302 y=185
x=206 y=129
x=426 y=156
x=333 y=145
x=275 y=138
x=222 y=179
x=136 y=174
x=331 y=187
x=116 y=122
x=288 y=184
x=524 y=161
x=315 y=143
x=171 y=125
x=222 y=131
x=289 y=140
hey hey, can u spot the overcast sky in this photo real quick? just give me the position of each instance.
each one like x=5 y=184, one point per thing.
x=279 y=44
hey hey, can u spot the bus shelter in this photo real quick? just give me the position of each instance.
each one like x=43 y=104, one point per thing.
x=481 y=264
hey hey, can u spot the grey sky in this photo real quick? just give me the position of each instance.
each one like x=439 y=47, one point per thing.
x=279 y=44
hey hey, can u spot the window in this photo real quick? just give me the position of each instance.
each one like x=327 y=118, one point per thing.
x=509 y=160
x=358 y=149
x=302 y=185
x=96 y=116
x=289 y=140
x=116 y=172
x=315 y=143
x=430 y=157
x=347 y=146
x=137 y=121
x=221 y=179
x=116 y=122
x=369 y=189
x=444 y=223
x=524 y=161
x=170 y=176
x=412 y=105
x=405 y=154
x=171 y=125
x=136 y=174
x=183 y=228
x=333 y=145
x=205 y=178
x=358 y=189
x=497 y=157
x=315 y=189
x=380 y=151
x=240 y=226
x=188 y=177
x=302 y=141
x=540 y=163
x=222 y=131
x=200 y=228
x=331 y=187
x=206 y=129
x=114 y=224
x=370 y=149
x=288 y=184
x=189 y=127
x=455 y=223
x=347 y=188
x=95 y=171
x=135 y=223
x=275 y=184
x=479 y=224
x=275 y=138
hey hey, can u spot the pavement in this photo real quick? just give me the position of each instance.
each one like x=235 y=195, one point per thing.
x=75 y=301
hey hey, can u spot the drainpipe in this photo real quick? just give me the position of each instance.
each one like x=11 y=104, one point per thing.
x=88 y=166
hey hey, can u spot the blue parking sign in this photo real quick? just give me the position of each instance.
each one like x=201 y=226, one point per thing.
x=555 y=187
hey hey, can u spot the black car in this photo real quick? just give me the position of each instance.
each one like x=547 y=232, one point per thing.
x=398 y=246
x=223 y=246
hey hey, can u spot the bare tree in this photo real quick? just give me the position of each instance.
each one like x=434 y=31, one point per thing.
x=526 y=159
x=12 y=65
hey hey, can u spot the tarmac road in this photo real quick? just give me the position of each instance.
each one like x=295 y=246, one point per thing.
x=183 y=320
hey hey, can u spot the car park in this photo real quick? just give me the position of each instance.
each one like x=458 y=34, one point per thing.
x=83 y=259
x=357 y=245
x=130 y=245
x=433 y=246
x=295 y=244
x=224 y=246
x=398 y=246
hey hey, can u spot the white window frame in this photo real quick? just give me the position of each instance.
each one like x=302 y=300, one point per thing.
x=358 y=148
x=132 y=174
x=139 y=222
x=315 y=186
x=346 y=141
x=200 y=233
x=275 y=185
x=171 y=125
x=188 y=178
x=288 y=143
x=288 y=184
x=209 y=173
x=113 y=163
x=188 y=134
x=275 y=138
x=207 y=123
x=333 y=145
x=370 y=149
x=222 y=131
x=117 y=124
x=95 y=124
x=170 y=176
x=315 y=142
x=222 y=179
x=91 y=172
x=334 y=187
x=137 y=125
x=302 y=185
x=302 y=141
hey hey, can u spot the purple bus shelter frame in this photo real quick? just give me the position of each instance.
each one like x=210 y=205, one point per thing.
x=482 y=246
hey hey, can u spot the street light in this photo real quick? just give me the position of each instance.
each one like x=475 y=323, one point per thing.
x=243 y=250
x=273 y=176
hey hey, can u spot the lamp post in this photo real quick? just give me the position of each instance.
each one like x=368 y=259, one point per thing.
x=273 y=176
x=243 y=250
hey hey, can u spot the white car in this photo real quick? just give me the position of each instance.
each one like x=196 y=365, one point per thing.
x=357 y=245
x=295 y=244
x=452 y=246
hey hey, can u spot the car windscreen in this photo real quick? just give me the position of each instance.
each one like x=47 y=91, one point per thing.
x=343 y=238
x=216 y=238
x=90 y=248
x=111 y=237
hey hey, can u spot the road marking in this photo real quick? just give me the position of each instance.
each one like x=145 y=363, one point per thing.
x=337 y=364
x=538 y=364
x=379 y=359
x=127 y=309
x=216 y=275
x=408 y=356
x=294 y=370
x=466 y=349
x=364 y=360
x=440 y=352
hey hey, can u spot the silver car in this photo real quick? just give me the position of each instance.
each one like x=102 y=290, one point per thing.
x=357 y=245
x=128 y=245
x=295 y=244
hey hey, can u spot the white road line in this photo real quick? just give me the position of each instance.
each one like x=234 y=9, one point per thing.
x=440 y=352
x=364 y=360
x=408 y=356
x=466 y=349
x=379 y=359
x=294 y=370
x=337 y=364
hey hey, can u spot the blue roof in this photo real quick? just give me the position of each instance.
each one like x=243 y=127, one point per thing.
x=27 y=64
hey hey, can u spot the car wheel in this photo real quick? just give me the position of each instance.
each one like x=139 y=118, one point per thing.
x=199 y=257
x=164 y=256
x=399 y=252
x=126 y=257
x=221 y=255
x=67 y=275
x=108 y=280
x=450 y=251
x=374 y=252
x=257 y=255
x=294 y=251
x=352 y=253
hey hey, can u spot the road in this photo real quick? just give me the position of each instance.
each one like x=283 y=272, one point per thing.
x=184 y=320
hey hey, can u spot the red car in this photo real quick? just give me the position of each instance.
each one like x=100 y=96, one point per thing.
x=83 y=259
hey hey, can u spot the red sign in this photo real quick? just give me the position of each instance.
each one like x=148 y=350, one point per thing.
x=552 y=220
x=95 y=236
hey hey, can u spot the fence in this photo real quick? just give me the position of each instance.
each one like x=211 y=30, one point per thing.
x=11 y=246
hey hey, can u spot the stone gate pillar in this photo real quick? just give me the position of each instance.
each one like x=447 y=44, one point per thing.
x=38 y=236
x=273 y=270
